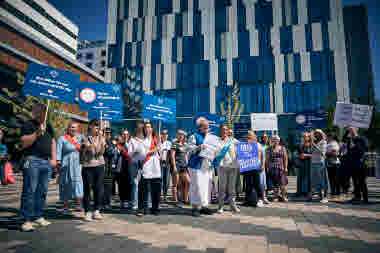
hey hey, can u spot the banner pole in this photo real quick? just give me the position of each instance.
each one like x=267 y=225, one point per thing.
x=47 y=111
x=101 y=120
x=159 y=131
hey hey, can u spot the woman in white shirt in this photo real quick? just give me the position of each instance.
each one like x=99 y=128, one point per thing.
x=151 y=172
x=333 y=164
x=227 y=166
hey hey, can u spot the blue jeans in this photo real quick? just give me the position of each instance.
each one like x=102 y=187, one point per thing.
x=35 y=186
x=135 y=176
x=165 y=173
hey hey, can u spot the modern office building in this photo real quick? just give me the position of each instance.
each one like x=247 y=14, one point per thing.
x=43 y=21
x=285 y=55
x=93 y=54
x=360 y=72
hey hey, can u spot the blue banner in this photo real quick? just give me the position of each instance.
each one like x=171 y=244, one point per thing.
x=159 y=108
x=307 y=121
x=108 y=115
x=241 y=129
x=100 y=97
x=50 y=83
x=248 y=156
x=215 y=121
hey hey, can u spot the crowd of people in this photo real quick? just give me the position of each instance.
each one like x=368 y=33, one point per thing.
x=141 y=164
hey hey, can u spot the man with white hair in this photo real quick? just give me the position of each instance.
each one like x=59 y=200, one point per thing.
x=200 y=170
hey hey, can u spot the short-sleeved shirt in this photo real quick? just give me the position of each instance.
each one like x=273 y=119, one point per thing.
x=180 y=154
x=41 y=147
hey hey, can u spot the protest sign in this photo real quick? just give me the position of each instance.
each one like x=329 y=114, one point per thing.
x=264 y=121
x=353 y=115
x=50 y=83
x=248 y=156
x=108 y=115
x=215 y=120
x=159 y=108
x=307 y=121
x=100 y=97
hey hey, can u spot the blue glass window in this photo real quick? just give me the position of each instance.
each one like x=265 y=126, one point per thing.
x=204 y=74
x=220 y=20
x=188 y=75
x=178 y=25
x=318 y=10
x=222 y=71
x=135 y=29
x=294 y=12
x=309 y=39
x=156 y=52
x=286 y=36
x=264 y=14
x=222 y=3
x=241 y=19
x=243 y=44
x=128 y=54
x=164 y=7
x=184 y=5
x=197 y=23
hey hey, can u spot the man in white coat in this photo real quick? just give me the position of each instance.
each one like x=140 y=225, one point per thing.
x=200 y=170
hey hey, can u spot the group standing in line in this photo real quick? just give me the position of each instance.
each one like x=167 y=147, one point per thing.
x=89 y=167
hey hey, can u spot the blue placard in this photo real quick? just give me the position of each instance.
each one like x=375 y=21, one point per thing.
x=108 y=115
x=241 y=129
x=159 y=108
x=248 y=156
x=50 y=83
x=307 y=121
x=215 y=120
x=100 y=97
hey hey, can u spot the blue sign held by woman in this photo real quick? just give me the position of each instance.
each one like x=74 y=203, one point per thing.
x=248 y=156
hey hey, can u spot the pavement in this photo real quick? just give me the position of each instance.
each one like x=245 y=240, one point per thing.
x=293 y=227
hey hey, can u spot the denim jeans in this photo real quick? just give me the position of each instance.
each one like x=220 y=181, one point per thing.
x=37 y=173
x=165 y=173
x=135 y=177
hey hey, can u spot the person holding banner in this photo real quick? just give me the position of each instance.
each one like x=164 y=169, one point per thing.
x=227 y=165
x=69 y=168
x=200 y=170
x=277 y=162
x=40 y=156
x=252 y=176
x=151 y=170
x=93 y=170
x=318 y=175
x=165 y=162
x=356 y=149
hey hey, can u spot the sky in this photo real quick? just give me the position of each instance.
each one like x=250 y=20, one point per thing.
x=91 y=18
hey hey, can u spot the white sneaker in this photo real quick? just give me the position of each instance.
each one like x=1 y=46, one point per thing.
x=260 y=203
x=88 y=217
x=220 y=210
x=235 y=209
x=27 y=226
x=97 y=215
x=325 y=200
x=42 y=222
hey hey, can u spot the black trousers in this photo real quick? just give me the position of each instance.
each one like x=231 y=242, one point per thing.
x=152 y=186
x=93 y=179
x=123 y=182
x=359 y=177
x=334 y=179
x=252 y=181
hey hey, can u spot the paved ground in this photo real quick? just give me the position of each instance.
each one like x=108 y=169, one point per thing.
x=281 y=227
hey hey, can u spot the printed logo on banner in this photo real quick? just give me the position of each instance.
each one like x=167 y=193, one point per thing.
x=301 y=119
x=54 y=74
x=88 y=95
x=248 y=156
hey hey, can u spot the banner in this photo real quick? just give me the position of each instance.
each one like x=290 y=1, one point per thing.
x=248 y=156
x=159 y=108
x=307 y=121
x=215 y=121
x=241 y=129
x=50 y=83
x=108 y=115
x=100 y=97
x=264 y=122
x=354 y=115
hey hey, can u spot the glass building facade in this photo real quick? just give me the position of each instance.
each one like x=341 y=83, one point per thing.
x=286 y=55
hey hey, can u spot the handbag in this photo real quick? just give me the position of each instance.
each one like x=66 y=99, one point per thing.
x=8 y=175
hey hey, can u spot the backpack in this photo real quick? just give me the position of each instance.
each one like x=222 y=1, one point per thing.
x=8 y=176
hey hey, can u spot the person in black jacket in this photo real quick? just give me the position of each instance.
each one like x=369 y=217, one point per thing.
x=356 y=149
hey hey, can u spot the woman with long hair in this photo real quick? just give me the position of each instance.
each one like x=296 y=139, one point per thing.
x=151 y=172
x=93 y=170
x=277 y=162
x=69 y=168
x=179 y=161
x=304 y=156
x=318 y=173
